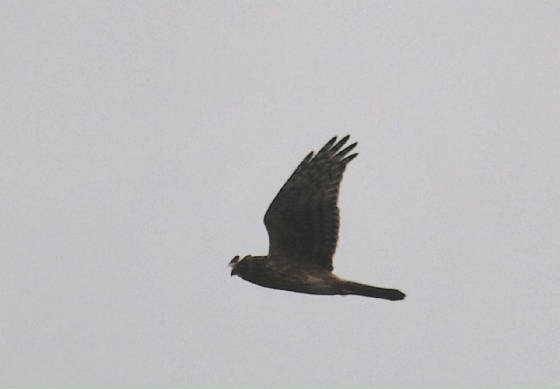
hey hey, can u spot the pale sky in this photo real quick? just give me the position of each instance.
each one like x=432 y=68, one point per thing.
x=141 y=143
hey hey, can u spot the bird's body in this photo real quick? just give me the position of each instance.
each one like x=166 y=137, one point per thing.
x=278 y=273
x=302 y=223
x=305 y=278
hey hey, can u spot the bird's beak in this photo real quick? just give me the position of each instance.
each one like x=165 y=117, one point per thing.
x=233 y=264
x=234 y=271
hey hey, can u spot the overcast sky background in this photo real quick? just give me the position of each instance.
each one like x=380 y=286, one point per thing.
x=141 y=144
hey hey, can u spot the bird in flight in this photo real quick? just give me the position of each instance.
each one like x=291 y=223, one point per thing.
x=302 y=223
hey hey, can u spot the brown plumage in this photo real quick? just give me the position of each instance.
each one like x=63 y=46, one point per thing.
x=302 y=223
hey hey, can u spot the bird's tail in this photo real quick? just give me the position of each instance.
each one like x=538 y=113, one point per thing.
x=372 y=291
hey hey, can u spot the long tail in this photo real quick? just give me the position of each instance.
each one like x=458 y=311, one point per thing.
x=372 y=291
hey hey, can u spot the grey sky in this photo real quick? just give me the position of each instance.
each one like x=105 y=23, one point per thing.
x=141 y=144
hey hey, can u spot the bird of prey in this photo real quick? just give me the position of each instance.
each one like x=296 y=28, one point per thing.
x=302 y=223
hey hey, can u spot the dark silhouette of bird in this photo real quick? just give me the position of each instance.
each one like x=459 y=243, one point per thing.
x=302 y=223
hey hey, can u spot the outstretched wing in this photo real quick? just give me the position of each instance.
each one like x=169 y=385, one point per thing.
x=302 y=220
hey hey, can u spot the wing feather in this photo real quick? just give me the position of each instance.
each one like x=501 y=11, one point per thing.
x=303 y=219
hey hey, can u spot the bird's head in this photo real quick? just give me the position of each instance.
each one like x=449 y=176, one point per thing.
x=237 y=265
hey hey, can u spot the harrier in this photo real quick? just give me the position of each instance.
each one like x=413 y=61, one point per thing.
x=302 y=223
